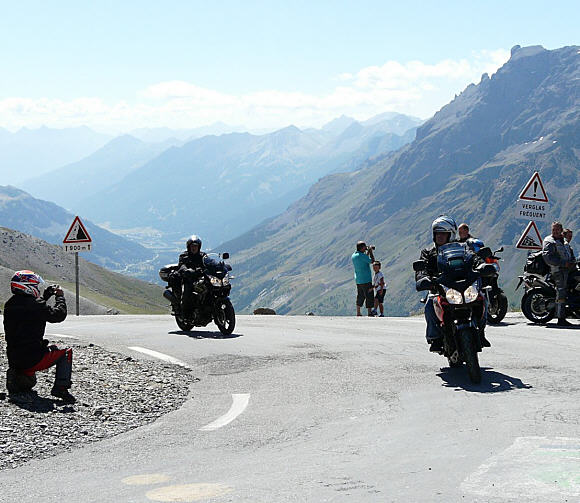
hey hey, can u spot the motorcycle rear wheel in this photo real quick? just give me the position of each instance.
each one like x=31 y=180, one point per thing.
x=534 y=306
x=468 y=342
x=186 y=326
x=225 y=316
x=500 y=312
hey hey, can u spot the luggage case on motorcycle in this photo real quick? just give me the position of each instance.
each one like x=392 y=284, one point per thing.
x=535 y=264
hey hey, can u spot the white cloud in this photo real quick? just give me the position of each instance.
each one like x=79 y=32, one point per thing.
x=414 y=87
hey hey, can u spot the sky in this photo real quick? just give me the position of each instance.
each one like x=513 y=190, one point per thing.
x=115 y=66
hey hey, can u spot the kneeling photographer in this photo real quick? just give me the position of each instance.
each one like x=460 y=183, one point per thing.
x=25 y=317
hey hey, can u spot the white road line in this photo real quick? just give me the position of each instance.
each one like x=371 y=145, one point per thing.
x=239 y=404
x=161 y=356
x=62 y=336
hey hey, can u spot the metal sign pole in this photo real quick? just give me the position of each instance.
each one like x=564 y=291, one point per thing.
x=77 y=281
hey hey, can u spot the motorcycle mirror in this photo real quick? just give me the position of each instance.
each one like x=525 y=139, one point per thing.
x=485 y=252
x=225 y=256
x=419 y=265
x=486 y=270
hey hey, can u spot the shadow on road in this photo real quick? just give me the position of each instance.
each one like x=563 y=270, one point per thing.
x=491 y=381
x=205 y=335
x=31 y=402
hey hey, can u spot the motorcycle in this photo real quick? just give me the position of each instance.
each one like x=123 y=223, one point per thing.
x=540 y=292
x=459 y=304
x=497 y=302
x=211 y=290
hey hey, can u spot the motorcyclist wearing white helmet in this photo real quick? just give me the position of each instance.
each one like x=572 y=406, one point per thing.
x=444 y=230
x=189 y=270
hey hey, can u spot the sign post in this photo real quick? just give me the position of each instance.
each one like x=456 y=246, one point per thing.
x=77 y=239
x=532 y=205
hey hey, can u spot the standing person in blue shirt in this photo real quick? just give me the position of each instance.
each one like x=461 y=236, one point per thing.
x=362 y=260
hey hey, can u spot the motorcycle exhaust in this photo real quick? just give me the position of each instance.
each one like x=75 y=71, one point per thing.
x=168 y=294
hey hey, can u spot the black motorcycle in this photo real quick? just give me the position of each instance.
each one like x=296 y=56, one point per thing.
x=459 y=304
x=539 y=299
x=211 y=290
x=497 y=302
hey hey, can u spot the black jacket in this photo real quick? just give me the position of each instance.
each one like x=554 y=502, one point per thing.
x=24 y=323
x=190 y=260
x=429 y=255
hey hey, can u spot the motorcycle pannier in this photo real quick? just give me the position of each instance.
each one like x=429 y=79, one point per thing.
x=164 y=272
x=535 y=264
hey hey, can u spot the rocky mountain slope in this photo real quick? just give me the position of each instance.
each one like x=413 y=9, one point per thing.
x=470 y=161
x=102 y=291
x=21 y=211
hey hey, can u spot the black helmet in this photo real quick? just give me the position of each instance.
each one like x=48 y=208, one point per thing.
x=193 y=239
x=443 y=223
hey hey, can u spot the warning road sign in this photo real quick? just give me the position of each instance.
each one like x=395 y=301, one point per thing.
x=77 y=238
x=534 y=190
x=531 y=239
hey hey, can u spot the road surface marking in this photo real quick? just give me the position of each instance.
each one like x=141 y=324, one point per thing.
x=146 y=479
x=62 y=336
x=188 y=492
x=161 y=356
x=534 y=468
x=239 y=404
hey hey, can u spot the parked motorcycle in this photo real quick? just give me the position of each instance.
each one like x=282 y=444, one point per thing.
x=497 y=302
x=539 y=299
x=459 y=304
x=211 y=291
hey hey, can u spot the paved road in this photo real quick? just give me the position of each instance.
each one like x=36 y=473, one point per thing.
x=332 y=409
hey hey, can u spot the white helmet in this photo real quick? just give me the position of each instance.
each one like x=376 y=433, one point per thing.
x=193 y=240
x=27 y=283
x=443 y=223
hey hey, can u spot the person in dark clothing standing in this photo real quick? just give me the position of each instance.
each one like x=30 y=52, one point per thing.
x=558 y=255
x=189 y=270
x=25 y=317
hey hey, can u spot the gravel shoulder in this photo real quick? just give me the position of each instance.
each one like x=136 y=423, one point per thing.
x=114 y=393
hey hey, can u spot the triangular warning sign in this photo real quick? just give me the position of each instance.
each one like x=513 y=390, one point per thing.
x=534 y=190
x=77 y=233
x=531 y=239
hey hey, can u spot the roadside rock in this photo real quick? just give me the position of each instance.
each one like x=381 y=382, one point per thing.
x=114 y=393
x=264 y=310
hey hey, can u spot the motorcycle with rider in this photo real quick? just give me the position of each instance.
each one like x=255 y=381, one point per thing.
x=198 y=288
x=455 y=306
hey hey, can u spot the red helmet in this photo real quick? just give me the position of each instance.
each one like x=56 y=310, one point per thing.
x=27 y=283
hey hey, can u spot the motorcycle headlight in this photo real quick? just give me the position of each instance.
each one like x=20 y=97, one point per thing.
x=453 y=296
x=471 y=293
x=215 y=281
x=226 y=280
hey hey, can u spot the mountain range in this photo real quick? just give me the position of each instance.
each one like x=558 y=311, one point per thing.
x=45 y=220
x=220 y=186
x=27 y=153
x=470 y=160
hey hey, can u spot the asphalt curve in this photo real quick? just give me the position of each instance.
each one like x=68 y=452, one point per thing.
x=331 y=409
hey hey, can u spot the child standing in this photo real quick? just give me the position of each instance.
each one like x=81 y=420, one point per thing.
x=379 y=287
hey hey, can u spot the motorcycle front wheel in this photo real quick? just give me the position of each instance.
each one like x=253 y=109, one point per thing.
x=224 y=316
x=498 y=314
x=468 y=342
x=186 y=326
x=536 y=305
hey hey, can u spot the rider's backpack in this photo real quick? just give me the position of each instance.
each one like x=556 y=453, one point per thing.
x=535 y=264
